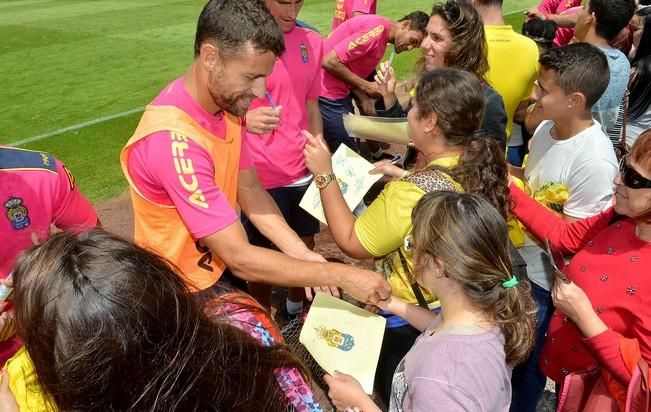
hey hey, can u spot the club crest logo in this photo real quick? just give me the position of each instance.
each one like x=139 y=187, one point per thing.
x=17 y=213
x=336 y=339
x=304 y=54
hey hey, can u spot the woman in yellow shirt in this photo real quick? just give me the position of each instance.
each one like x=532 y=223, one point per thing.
x=448 y=108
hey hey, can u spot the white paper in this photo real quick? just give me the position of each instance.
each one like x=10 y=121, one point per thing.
x=381 y=129
x=342 y=337
x=354 y=181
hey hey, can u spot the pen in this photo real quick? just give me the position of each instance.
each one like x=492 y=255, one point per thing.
x=270 y=99
x=271 y=103
x=391 y=57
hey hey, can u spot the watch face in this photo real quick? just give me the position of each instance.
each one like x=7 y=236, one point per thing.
x=320 y=180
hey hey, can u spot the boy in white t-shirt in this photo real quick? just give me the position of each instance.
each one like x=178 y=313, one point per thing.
x=570 y=169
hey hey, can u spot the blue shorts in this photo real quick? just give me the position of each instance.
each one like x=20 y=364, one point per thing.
x=334 y=132
x=287 y=199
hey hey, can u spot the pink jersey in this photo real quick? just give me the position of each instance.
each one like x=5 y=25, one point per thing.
x=151 y=167
x=296 y=78
x=36 y=190
x=359 y=44
x=344 y=10
x=563 y=35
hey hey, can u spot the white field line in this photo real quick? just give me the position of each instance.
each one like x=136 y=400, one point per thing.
x=117 y=115
x=517 y=11
x=74 y=127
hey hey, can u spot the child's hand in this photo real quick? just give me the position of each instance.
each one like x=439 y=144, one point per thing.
x=345 y=391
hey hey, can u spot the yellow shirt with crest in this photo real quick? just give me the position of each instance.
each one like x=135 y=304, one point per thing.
x=382 y=230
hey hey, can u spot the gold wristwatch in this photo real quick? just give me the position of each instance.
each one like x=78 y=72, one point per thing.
x=322 y=181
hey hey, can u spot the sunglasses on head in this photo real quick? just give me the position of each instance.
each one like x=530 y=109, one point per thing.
x=632 y=178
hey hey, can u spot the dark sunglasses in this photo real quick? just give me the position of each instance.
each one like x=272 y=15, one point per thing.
x=631 y=178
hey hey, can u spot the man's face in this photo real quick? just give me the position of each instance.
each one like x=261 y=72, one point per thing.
x=239 y=78
x=583 y=23
x=550 y=98
x=407 y=39
x=284 y=12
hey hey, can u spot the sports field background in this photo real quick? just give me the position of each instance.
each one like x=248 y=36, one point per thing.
x=89 y=67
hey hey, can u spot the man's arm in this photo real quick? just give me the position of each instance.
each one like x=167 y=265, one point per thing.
x=567 y=20
x=257 y=264
x=314 y=119
x=260 y=208
x=333 y=65
x=564 y=20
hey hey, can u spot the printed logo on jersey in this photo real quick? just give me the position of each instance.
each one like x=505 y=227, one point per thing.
x=365 y=37
x=304 y=54
x=17 y=213
x=340 y=14
x=71 y=178
x=46 y=159
x=185 y=170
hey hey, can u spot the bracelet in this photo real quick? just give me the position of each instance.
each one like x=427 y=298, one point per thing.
x=353 y=409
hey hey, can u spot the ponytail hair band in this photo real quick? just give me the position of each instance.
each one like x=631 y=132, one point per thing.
x=511 y=283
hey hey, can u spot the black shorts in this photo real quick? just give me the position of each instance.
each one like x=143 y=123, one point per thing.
x=287 y=199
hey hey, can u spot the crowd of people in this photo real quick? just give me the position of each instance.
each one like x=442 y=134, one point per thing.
x=530 y=147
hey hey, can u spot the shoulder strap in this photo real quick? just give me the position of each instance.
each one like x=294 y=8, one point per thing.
x=414 y=286
x=428 y=180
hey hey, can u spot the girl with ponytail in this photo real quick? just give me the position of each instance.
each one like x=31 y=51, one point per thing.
x=447 y=112
x=464 y=357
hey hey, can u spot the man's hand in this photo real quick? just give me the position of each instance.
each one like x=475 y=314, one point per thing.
x=364 y=285
x=329 y=290
x=534 y=13
x=317 y=156
x=7 y=399
x=263 y=120
x=371 y=89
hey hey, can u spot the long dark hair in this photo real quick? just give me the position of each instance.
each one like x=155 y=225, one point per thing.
x=456 y=97
x=466 y=233
x=640 y=92
x=110 y=326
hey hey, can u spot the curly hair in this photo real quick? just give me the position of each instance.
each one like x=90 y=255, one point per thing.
x=456 y=97
x=467 y=50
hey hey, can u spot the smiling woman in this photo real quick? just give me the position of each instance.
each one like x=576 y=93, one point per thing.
x=602 y=311
x=454 y=38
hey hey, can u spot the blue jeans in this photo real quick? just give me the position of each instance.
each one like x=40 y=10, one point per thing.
x=528 y=381
x=334 y=132
x=515 y=154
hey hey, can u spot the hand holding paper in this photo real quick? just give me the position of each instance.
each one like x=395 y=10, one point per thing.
x=350 y=169
x=342 y=337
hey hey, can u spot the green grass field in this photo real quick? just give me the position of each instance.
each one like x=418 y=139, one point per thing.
x=67 y=63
